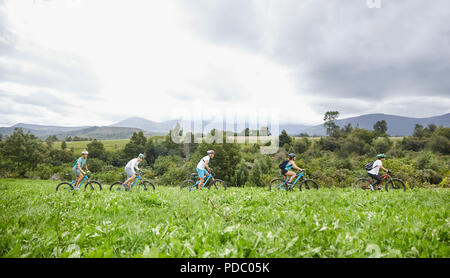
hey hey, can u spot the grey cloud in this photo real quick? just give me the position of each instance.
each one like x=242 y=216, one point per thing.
x=227 y=22
x=41 y=67
x=343 y=48
x=39 y=98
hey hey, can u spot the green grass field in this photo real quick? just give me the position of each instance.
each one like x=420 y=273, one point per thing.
x=110 y=145
x=37 y=221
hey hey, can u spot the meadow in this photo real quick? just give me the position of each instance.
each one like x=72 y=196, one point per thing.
x=37 y=221
x=79 y=146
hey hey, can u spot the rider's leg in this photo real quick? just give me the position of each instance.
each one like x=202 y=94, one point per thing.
x=202 y=180
x=79 y=179
x=130 y=180
x=292 y=175
x=377 y=180
x=131 y=175
x=202 y=175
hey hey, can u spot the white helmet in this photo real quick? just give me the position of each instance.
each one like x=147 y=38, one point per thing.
x=84 y=152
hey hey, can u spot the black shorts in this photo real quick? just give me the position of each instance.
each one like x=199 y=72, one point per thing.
x=283 y=171
x=375 y=177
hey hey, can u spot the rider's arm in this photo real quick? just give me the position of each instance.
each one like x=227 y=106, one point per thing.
x=206 y=166
x=79 y=168
x=384 y=169
x=296 y=167
x=136 y=166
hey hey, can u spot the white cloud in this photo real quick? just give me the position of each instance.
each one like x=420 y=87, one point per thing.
x=107 y=60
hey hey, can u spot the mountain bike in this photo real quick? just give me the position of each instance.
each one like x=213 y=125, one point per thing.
x=392 y=183
x=190 y=184
x=278 y=183
x=90 y=184
x=139 y=181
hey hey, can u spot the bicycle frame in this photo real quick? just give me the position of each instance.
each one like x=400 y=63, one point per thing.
x=81 y=183
x=204 y=183
x=138 y=177
x=383 y=178
x=281 y=186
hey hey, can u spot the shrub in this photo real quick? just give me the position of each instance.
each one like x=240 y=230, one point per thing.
x=440 y=144
x=383 y=145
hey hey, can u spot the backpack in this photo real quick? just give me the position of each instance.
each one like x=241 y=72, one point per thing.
x=75 y=163
x=369 y=166
x=283 y=164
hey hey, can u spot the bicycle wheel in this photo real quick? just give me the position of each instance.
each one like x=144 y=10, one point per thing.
x=187 y=184
x=395 y=184
x=362 y=183
x=64 y=186
x=277 y=184
x=308 y=184
x=218 y=184
x=117 y=186
x=93 y=185
x=146 y=185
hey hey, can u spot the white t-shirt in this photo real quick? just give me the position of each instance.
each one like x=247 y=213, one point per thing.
x=376 y=167
x=201 y=164
x=133 y=164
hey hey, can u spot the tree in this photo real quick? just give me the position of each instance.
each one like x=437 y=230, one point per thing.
x=173 y=148
x=150 y=152
x=256 y=174
x=284 y=138
x=50 y=140
x=347 y=129
x=63 y=145
x=241 y=174
x=418 y=131
x=330 y=123
x=25 y=150
x=96 y=150
x=135 y=146
x=380 y=127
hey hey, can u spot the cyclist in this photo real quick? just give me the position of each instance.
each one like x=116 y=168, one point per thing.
x=78 y=167
x=286 y=171
x=130 y=168
x=202 y=165
x=373 y=173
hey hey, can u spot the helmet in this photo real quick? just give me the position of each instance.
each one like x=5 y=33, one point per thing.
x=291 y=155
x=210 y=152
x=141 y=156
x=381 y=155
x=84 y=152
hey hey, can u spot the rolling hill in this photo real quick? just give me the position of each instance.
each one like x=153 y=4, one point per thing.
x=102 y=132
x=397 y=125
x=40 y=130
x=144 y=124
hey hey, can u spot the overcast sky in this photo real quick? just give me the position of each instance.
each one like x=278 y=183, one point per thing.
x=75 y=62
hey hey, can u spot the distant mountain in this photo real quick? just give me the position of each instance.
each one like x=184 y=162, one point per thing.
x=397 y=125
x=39 y=130
x=102 y=132
x=144 y=124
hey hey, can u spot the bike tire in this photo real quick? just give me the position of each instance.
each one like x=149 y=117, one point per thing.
x=187 y=184
x=117 y=186
x=68 y=186
x=395 y=184
x=93 y=185
x=275 y=184
x=308 y=184
x=218 y=184
x=362 y=183
x=148 y=185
